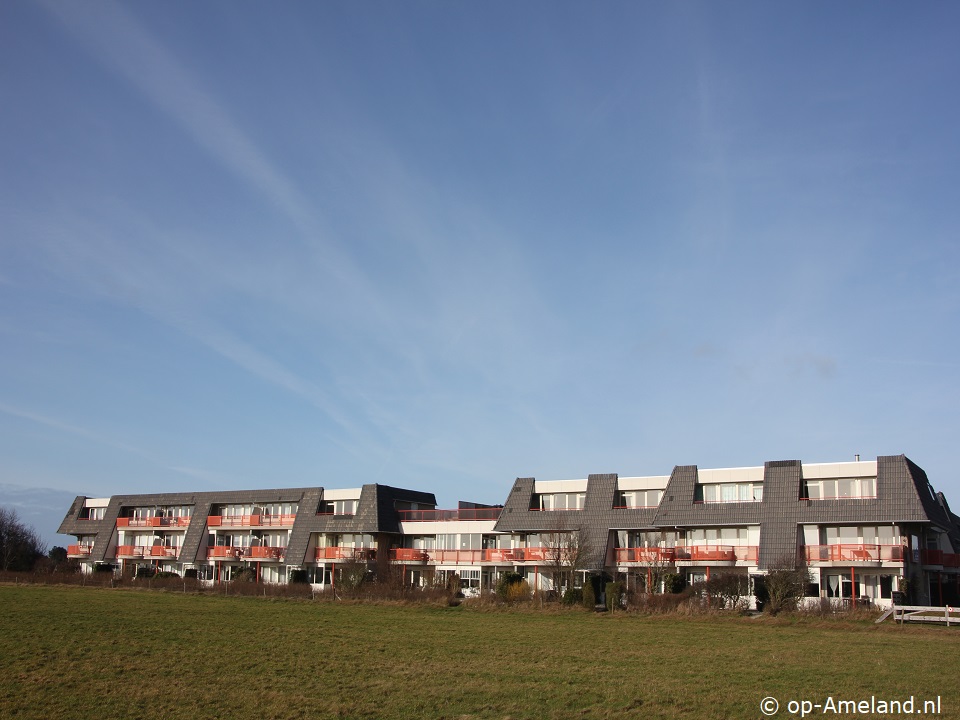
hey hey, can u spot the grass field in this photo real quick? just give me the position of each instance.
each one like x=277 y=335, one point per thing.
x=69 y=652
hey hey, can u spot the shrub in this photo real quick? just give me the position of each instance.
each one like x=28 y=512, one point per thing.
x=518 y=592
x=784 y=585
x=506 y=582
x=589 y=594
x=674 y=583
x=614 y=595
x=298 y=576
x=729 y=587
x=573 y=596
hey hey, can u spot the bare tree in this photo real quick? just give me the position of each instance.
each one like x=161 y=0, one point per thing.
x=784 y=585
x=567 y=549
x=20 y=545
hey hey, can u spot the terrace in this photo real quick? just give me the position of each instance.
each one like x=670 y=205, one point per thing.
x=486 y=513
x=135 y=552
x=346 y=553
x=153 y=522
x=250 y=520
x=938 y=558
x=79 y=551
x=854 y=553
x=688 y=555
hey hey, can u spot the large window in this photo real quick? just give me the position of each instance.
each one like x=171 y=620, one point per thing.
x=558 y=501
x=839 y=488
x=729 y=492
x=718 y=536
x=338 y=507
x=638 y=498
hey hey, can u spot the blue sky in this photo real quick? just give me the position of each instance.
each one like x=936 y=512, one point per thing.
x=444 y=245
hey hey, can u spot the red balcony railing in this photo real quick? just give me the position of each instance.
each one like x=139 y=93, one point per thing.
x=645 y=555
x=457 y=557
x=346 y=553
x=854 y=553
x=250 y=520
x=79 y=551
x=492 y=513
x=225 y=552
x=409 y=555
x=152 y=522
x=146 y=551
x=266 y=553
x=693 y=553
x=706 y=553
x=938 y=557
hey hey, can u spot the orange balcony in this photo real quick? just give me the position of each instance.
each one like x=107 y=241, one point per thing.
x=79 y=551
x=938 y=557
x=645 y=555
x=491 y=513
x=854 y=553
x=409 y=555
x=128 y=552
x=266 y=553
x=152 y=522
x=456 y=557
x=706 y=553
x=250 y=520
x=225 y=552
x=346 y=553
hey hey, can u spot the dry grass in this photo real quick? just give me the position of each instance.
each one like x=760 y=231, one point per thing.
x=71 y=652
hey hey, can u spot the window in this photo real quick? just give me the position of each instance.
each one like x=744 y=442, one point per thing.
x=337 y=507
x=839 y=489
x=558 y=501
x=638 y=498
x=729 y=493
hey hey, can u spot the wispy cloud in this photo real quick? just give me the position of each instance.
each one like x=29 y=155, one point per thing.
x=88 y=434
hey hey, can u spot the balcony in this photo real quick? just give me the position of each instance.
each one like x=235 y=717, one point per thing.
x=939 y=558
x=250 y=520
x=707 y=554
x=854 y=553
x=492 y=513
x=648 y=556
x=266 y=553
x=153 y=522
x=346 y=553
x=79 y=551
x=225 y=552
x=409 y=555
x=150 y=552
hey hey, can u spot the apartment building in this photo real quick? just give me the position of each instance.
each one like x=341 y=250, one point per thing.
x=866 y=530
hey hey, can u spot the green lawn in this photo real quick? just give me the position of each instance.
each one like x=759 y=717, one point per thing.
x=71 y=652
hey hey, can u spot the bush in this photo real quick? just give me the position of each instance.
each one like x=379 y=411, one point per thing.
x=614 y=594
x=506 y=582
x=784 y=585
x=589 y=594
x=729 y=587
x=674 y=583
x=573 y=596
x=298 y=577
x=518 y=592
